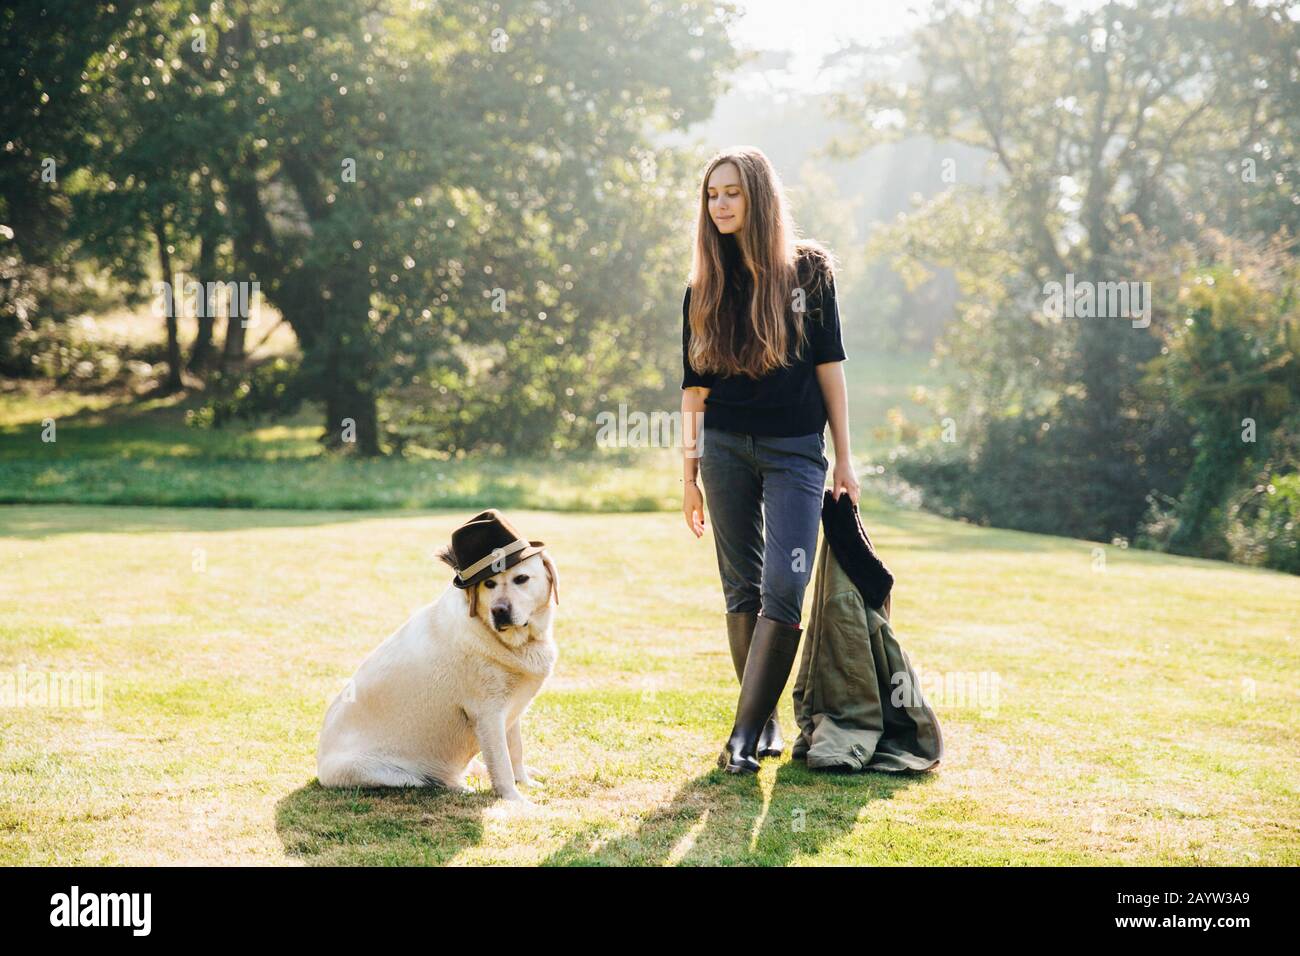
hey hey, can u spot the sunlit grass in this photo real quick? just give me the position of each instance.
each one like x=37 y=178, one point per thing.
x=111 y=450
x=1146 y=709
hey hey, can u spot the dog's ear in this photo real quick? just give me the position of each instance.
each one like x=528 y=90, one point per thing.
x=553 y=575
x=473 y=598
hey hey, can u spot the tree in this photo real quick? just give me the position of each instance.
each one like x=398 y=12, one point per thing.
x=1233 y=365
x=1105 y=125
x=454 y=202
x=394 y=173
x=45 y=106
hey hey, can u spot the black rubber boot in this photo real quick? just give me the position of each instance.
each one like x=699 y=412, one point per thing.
x=740 y=629
x=767 y=668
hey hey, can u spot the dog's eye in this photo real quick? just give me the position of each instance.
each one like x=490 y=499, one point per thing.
x=489 y=583
x=520 y=578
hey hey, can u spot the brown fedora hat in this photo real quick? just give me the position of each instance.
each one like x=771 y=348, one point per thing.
x=487 y=544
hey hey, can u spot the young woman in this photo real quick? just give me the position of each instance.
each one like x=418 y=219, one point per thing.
x=761 y=353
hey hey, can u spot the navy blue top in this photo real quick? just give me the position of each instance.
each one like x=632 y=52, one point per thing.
x=787 y=401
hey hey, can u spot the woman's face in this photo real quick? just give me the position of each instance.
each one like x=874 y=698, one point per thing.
x=726 y=199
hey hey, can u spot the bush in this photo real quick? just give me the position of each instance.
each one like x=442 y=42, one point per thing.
x=1263 y=524
x=270 y=389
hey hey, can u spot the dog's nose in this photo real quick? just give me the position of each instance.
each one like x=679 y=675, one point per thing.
x=501 y=616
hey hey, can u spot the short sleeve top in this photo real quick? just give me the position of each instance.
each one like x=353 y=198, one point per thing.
x=787 y=401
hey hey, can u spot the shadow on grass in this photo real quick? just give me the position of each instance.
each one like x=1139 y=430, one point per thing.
x=402 y=826
x=136 y=426
x=719 y=820
x=39 y=521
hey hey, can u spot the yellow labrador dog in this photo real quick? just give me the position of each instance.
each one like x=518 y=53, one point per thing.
x=451 y=682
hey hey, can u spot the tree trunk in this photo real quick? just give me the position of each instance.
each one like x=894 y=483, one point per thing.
x=173 y=382
x=351 y=418
x=1106 y=470
x=342 y=361
x=339 y=360
x=233 y=351
x=201 y=353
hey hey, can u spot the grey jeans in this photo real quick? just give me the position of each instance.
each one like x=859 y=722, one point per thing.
x=765 y=498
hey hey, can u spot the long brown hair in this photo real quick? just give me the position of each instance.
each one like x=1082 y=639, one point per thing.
x=778 y=259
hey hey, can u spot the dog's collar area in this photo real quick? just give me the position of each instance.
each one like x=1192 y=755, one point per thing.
x=527 y=627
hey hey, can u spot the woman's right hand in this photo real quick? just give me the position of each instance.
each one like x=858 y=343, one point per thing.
x=693 y=508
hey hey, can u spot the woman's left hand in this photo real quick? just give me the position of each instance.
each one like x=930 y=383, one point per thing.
x=844 y=479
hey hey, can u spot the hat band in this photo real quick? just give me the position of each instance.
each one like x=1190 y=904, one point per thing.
x=497 y=554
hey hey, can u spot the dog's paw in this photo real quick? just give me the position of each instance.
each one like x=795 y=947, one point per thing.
x=530 y=778
x=516 y=801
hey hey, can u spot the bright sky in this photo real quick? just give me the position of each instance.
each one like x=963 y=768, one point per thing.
x=811 y=29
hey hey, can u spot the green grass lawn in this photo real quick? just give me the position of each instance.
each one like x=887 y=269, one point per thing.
x=109 y=450
x=1146 y=709
x=113 y=450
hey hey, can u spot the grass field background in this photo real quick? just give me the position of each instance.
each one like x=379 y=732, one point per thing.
x=1133 y=707
x=1146 y=710
x=112 y=450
